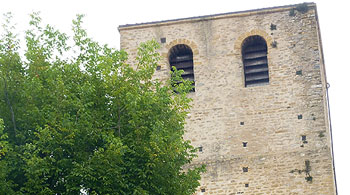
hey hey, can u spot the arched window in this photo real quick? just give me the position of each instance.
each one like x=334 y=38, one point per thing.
x=254 y=55
x=181 y=56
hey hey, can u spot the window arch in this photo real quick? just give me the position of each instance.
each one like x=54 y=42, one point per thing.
x=181 y=56
x=254 y=55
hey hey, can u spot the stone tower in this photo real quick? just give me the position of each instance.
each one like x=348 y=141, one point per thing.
x=260 y=113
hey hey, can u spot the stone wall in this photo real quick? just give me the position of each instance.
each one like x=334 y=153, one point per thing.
x=271 y=119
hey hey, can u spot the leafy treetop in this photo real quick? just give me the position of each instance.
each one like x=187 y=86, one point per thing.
x=79 y=118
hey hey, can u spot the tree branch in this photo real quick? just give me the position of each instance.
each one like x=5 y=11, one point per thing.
x=10 y=107
x=119 y=120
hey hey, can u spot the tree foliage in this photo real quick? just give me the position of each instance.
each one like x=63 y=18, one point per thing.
x=79 y=117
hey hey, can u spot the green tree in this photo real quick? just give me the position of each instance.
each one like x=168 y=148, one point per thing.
x=78 y=117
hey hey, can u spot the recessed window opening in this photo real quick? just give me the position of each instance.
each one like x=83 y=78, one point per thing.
x=181 y=56
x=254 y=55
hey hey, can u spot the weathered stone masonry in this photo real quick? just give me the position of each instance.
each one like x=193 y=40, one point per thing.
x=266 y=139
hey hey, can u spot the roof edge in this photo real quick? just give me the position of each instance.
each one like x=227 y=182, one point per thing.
x=213 y=16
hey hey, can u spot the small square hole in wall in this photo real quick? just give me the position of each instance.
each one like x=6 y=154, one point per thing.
x=241 y=123
x=203 y=190
x=246 y=185
x=200 y=148
x=245 y=144
x=163 y=40
x=273 y=27
x=245 y=169
x=300 y=116
x=158 y=67
x=303 y=138
x=274 y=44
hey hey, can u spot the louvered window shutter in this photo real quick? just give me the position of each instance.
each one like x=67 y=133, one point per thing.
x=181 y=57
x=254 y=54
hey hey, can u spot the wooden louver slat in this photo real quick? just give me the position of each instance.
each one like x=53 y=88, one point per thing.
x=257 y=77
x=256 y=48
x=254 y=55
x=256 y=70
x=183 y=65
x=255 y=62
